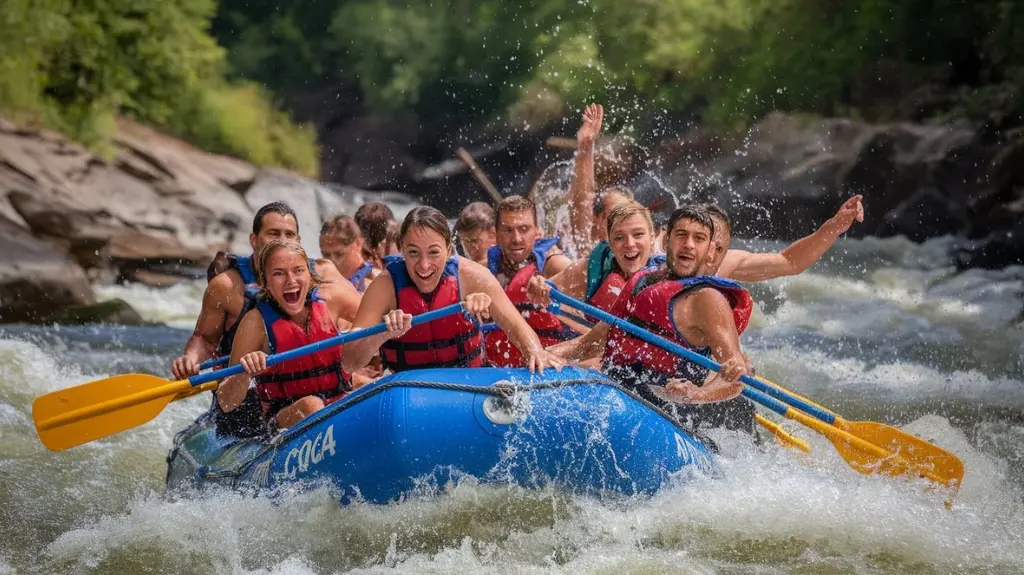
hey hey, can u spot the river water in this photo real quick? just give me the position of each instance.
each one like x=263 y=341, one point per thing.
x=879 y=330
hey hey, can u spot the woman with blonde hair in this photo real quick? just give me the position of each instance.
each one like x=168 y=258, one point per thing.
x=598 y=279
x=295 y=308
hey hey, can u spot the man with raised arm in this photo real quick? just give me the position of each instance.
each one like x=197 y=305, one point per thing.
x=703 y=313
x=747 y=266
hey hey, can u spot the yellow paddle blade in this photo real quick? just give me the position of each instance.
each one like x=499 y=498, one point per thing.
x=783 y=437
x=869 y=458
x=90 y=411
x=924 y=459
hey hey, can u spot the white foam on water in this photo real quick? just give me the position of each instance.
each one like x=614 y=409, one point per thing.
x=175 y=306
x=770 y=508
x=816 y=372
x=98 y=508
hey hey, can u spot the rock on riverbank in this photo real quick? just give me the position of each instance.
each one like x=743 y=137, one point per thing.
x=155 y=213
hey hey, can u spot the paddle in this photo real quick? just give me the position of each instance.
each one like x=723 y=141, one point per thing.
x=214 y=362
x=98 y=409
x=857 y=442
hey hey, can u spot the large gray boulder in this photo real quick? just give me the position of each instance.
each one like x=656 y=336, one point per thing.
x=157 y=201
x=37 y=279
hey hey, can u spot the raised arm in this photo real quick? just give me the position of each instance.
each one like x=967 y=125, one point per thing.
x=250 y=337
x=209 y=328
x=378 y=300
x=474 y=278
x=750 y=267
x=582 y=188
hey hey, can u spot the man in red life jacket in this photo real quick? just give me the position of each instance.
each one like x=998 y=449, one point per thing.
x=520 y=254
x=702 y=313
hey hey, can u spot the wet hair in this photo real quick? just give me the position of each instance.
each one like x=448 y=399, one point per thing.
x=394 y=235
x=610 y=191
x=220 y=264
x=273 y=208
x=274 y=246
x=373 y=220
x=344 y=228
x=515 y=204
x=716 y=211
x=475 y=216
x=429 y=218
x=626 y=209
x=695 y=213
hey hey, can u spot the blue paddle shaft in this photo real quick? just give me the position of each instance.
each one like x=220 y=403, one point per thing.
x=337 y=340
x=763 y=390
x=214 y=362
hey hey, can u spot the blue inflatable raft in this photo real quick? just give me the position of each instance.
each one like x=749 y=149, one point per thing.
x=574 y=429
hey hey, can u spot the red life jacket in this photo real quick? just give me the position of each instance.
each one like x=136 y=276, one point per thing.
x=605 y=279
x=650 y=307
x=608 y=292
x=317 y=373
x=500 y=350
x=452 y=341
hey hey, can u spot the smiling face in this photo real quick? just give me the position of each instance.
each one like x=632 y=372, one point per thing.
x=689 y=245
x=288 y=280
x=517 y=232
x=275 y=227
x=426 y=254
x=631 y=241
x=347 y=258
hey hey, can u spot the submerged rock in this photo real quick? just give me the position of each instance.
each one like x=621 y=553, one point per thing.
x=115 y=311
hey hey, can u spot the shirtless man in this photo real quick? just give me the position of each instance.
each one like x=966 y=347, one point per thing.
x=229 y=294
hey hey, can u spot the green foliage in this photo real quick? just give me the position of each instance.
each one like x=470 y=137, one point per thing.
x=734 y=60
x=76 y=64
x=240 y=121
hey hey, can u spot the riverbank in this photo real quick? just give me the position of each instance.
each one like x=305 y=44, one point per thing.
x=154 y=213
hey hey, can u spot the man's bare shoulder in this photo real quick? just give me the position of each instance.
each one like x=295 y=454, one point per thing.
x=225 y=283
x=706 y=298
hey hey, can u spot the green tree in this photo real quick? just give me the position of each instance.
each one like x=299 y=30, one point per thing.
x=77 y=64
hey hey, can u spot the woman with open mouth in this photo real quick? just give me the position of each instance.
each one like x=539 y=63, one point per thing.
x=295 y=308
x=427 y=277
x=599 y=279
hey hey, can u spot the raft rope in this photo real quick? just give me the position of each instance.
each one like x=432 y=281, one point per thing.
x=504 y=389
